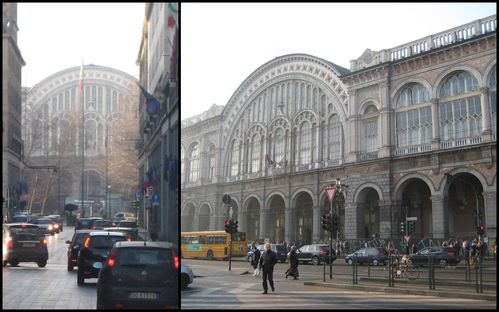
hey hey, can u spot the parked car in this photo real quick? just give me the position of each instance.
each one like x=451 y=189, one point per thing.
x=93 y=253
x=127 y=223
x=23 y=242
x=85 y=223
x=250 y=253
x=47 y=225
x=315 y=253
x=186 y=276
x=131 y=233
x=101 y=224
x=376 y=255
x=74 y=247
x=139 y=275
x=443 y=256
x=58 y=219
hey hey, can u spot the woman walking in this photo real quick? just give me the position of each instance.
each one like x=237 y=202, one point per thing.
x=293 y=264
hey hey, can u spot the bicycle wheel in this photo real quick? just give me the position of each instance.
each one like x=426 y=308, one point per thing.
x=412 y=273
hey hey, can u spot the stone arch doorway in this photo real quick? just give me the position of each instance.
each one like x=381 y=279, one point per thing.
x=465 y=205
x=416 y=203
x=276 y=218
x=204 y=218
x=187 y=218
x=253 y=219
x=368 y=205
x=303 y=215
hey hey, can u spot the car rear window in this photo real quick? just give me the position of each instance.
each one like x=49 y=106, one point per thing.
x=40 y=221
x=25 y=232
x=127 y=224
x=105 y=241
x=16 y=219
x=156 y=257
x=85 y=222
x=103 y=223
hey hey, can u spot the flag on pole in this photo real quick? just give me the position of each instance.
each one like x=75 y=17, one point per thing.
x=152 y=104
x=172 y=16
x=81 y=77
x=174 y=58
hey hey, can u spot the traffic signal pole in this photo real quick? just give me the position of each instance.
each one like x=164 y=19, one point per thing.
x=331 y=239
x=230 y=251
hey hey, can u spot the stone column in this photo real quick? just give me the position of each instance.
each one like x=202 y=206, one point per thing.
x=203 y=170
x=385 y=118
x=440 y=215
x=263 y=224
x=352 y=123
x=486 y=129
x=288 y=225
x=490 y=204
x=351 y=225
x=385 y=219
x=195 y=223
x=316 y=148
x=316 y=223
x=435 y=140
x=242 y=220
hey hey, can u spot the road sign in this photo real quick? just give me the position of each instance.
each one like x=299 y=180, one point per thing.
x=330 y=191
x=412 y=219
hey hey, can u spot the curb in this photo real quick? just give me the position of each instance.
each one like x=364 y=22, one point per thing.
x=419 y=292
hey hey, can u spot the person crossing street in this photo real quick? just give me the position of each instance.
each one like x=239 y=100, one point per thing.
x=268 y=259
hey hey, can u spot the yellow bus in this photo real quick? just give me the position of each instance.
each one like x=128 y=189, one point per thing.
x=212 y=244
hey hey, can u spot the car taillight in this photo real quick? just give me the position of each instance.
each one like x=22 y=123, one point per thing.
x=94 y=227
x=87 y=242
x=110 y=262
x=322 y=253
x=44 y=242
x=9 y=243
x=451 y=254
x=118 y=305
x=175 y=260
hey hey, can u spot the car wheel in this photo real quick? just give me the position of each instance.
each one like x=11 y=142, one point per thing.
x=315 y=260
x=184 y=281
x=42 y=263
x=375 y=262
x=14 y=262
x=80 y=278
x=350 y=262
x=443 y=263
x=209 y=255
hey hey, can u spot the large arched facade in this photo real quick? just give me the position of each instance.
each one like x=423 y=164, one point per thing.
x=390 y=131
x=53 y=132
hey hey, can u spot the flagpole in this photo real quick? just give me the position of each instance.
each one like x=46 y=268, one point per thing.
x=82 y=140
x=108 y=212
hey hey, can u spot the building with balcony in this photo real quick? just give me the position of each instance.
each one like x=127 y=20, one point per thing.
x=411 y=130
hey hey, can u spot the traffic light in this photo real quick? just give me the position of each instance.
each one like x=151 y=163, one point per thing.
x=326 y=225
x=402 y=227
x=411 y=227
x=336 y=223
x=235 y=226
x=228 y=228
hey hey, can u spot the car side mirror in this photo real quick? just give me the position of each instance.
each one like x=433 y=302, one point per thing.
x=68 y=242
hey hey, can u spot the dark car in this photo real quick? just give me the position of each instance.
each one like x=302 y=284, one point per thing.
x=24 y=218
x=131 y=233
x=58 y=220
x=280 y=251
x=85 y=223
x=127 y=224
x=250 y=253
x=93 y=253
x=139 y=275
x=74 y=247
x=23 y=242
x=101 y=224
x=315 y=253
x=443 y=256
x=47 y=225
x=374 y=255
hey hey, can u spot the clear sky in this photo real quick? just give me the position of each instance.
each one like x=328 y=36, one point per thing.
x=223 y=43
x=56 y=36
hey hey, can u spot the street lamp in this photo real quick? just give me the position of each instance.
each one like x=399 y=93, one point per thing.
x=451 y=178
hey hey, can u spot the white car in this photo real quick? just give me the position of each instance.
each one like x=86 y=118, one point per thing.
x=186 y=276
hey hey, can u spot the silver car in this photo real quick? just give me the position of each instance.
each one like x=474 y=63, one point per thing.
x=186 y=276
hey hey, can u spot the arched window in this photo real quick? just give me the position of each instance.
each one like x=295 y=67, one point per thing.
x=305 y=143
x=413 y=125
x=493 y=103
x=90 y=134
x=335 y=137
x=194 y=163
x=256 y=157
x=460 y=112
x=234 y=159
x=370 y=122
x=278 y=152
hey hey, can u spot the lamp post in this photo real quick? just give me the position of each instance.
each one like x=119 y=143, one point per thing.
x=450 y=178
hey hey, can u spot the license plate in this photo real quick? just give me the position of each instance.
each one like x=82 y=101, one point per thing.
x=29 y=245
x=143 y=295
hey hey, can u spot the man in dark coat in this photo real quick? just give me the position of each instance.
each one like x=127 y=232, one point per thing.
x=293 y=264
x=267 y=261
x=256 y=258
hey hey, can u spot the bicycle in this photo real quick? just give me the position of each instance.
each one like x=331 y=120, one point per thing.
x=405 y=267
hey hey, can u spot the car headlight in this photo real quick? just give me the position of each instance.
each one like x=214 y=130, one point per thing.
x=56 y=226
x=50 y=227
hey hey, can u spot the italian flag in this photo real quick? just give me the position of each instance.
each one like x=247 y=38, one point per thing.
x=81 y=77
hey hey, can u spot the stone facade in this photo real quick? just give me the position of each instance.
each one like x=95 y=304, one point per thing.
x=411 y=133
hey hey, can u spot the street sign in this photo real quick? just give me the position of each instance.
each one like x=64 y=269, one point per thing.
x=412 y=219
x=330 y=191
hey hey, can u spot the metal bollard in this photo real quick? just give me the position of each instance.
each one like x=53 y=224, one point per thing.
x=476 y=275
x=324 y=267
x=481 y=276
x=354 y=269
x=368 y=266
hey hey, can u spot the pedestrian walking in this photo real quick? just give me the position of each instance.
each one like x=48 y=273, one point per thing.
x=255 y=260
x=293 y=264
x=268 y=259
x=414 y=248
